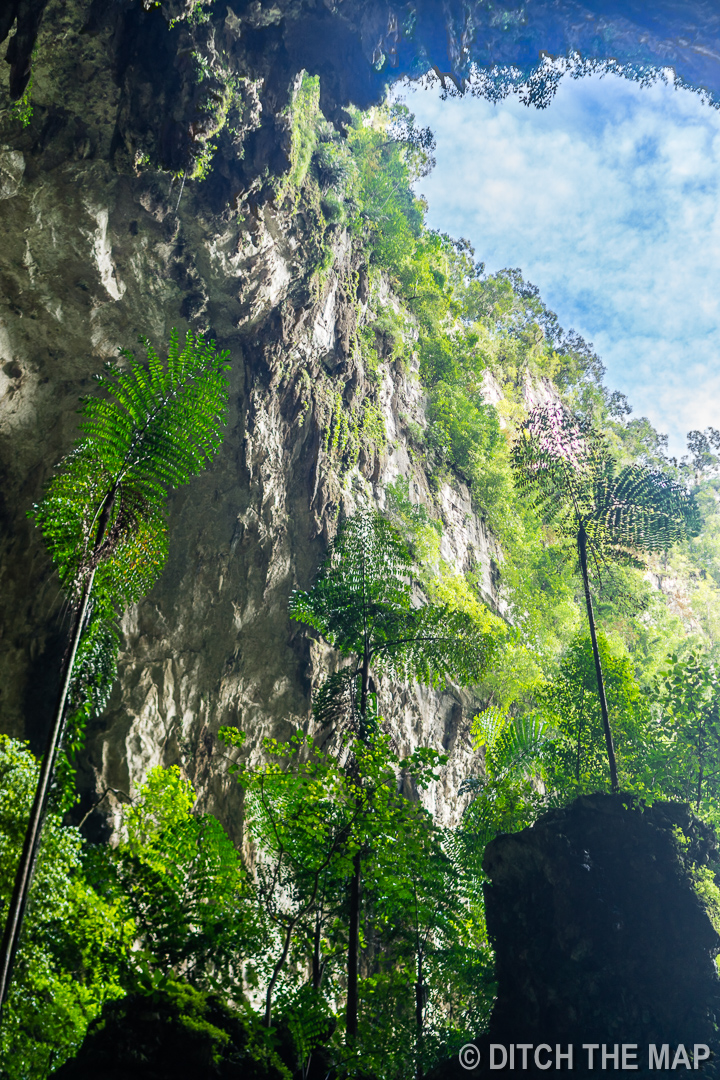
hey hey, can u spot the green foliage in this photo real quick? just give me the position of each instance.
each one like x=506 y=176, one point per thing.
x=507 y=796
x=575 y=761
x=75 y=946
x=431 y=953
x=299 y=816
x=334 y=166
x=94 y=673
x=511 y=747
x=466 y=432
x=362 y=604
x=184 y=884
x=177 y=1030
x=22 y=109
x=348 y=430
x=689 y=696
x=389 y=218
x=565 y=467
x=422 y=533
x=307 y=817
x=333 y=209
x=305 y=123
x=152 y=429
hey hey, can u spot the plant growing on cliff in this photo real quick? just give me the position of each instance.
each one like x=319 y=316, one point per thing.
x=104 y=521
x=362 y=604
x=610 y=513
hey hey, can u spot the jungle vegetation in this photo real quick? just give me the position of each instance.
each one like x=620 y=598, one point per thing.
x=346 y=887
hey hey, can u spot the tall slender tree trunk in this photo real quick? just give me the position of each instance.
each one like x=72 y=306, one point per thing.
x=351 y=1011
x=419 y=1009
x=267 y=1020
x=317 y=963
x=26 y=866
x=364 y=694
x=23 y=877
x=582 y=551
x=351 y=1014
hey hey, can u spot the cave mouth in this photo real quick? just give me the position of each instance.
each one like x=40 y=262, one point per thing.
x=607 y=203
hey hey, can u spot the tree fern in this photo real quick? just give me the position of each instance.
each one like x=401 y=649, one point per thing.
x=103 y=518
x=565 y=468
x=363 y=604
x=612 y=513
x=151 y=430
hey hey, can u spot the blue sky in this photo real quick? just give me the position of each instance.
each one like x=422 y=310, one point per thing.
x=609 y=202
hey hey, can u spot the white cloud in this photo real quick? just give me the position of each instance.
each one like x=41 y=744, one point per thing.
x=609 y=201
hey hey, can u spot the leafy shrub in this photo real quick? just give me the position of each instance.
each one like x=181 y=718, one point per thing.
x=183 y=880
x=75 y=946
x=173 y=1031
x=333 y=209
x=465 y=431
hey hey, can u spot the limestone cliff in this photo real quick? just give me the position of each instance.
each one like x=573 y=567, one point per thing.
x=94 y=254
x=109 y=232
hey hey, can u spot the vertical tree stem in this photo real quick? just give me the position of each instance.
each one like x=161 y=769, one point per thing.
x=582 y=550
x=351 y=1022
x=317 y=967
x=267 y=1020
x=419 y=1008
x=351 y=1011
x=23 y=876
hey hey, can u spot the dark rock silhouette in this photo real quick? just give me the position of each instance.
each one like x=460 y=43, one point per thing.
x=175 y=1032
x=601 y=936
x=358 y=47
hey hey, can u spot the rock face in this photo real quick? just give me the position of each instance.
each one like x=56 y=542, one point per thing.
x=106 y=235
x=358 y=45
x=601 y=936
x=95 y=254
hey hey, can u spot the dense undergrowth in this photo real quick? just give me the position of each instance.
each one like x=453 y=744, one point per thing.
x=174 y=910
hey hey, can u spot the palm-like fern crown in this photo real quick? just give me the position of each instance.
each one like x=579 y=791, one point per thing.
x=363 y=604
x=154 y=428
x=510 y=745
x=566 y=469
x=364 y=588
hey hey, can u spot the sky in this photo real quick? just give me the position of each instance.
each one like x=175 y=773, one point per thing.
x=609 y=202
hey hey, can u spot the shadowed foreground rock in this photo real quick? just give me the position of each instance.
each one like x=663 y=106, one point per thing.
x=176 y=1032
x=602 y=938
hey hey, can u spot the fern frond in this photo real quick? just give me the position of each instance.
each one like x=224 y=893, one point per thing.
x=511 y=746
x=150 y=430
x=566 y=471
x=335 y=704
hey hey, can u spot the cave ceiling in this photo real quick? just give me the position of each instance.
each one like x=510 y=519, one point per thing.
x=361 y=45
x=358 y=48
